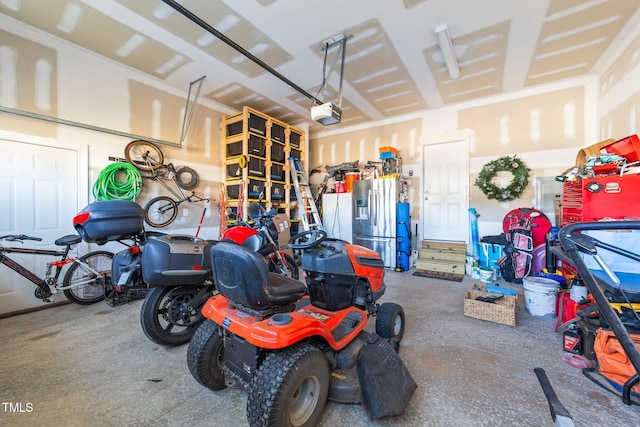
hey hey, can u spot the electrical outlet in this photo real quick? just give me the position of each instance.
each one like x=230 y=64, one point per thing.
x=410 y=173
x=185 y=212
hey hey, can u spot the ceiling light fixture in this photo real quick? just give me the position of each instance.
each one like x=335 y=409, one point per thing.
x=448 y=53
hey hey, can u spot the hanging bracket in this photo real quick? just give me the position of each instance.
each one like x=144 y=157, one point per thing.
x=188 y=113
x=339 y=40
x=328 y=113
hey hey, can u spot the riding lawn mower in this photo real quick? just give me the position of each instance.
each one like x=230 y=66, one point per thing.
x=291 y=346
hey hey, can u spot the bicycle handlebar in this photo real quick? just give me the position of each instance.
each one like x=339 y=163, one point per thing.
x=19 y=237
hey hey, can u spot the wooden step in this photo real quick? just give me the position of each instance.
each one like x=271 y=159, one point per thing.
x=442 y=256
x=444 y=245
x=437 y=254
x=442 y=266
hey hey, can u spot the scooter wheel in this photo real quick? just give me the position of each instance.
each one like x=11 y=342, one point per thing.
x=168 y=315
x=390 y=321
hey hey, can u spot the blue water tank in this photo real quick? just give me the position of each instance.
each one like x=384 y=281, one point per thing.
x=403 y=237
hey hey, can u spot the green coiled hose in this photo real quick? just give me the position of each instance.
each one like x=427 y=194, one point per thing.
x=119 y=181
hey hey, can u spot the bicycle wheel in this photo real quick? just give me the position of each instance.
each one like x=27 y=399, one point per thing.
x=160 y=211
x=86 y=286
x=144 y=155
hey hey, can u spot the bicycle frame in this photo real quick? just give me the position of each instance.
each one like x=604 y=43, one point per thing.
x=49 y=280
x=25 y=272
x=165 y=171
x=170 y=172
x=148 y=158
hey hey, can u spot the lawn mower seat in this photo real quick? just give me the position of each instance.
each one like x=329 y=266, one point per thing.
x=242 y=276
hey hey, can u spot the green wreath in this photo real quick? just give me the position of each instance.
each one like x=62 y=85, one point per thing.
x=515 y=188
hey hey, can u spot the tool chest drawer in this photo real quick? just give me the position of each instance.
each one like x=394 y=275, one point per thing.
x=598 y=198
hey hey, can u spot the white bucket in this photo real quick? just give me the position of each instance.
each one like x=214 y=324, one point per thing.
x=540 y=296
x=486 y=274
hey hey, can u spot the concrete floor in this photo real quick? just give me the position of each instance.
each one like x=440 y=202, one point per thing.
x=93 y=366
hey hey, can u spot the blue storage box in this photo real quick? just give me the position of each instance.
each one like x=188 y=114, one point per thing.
x=490 y=253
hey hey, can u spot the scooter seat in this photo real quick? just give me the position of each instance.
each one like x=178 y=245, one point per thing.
x=242 y=276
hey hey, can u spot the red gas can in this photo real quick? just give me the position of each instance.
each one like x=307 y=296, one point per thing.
x=566 y=308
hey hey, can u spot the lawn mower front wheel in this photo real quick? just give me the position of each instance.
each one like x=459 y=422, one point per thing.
x=390 y=321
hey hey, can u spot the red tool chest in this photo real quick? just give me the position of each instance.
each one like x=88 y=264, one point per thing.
x=603 y=197
x=599 y=198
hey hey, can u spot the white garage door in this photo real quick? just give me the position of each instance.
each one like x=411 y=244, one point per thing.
x=38 y=197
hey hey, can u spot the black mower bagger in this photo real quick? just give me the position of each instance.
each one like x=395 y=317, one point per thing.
x=293 y=347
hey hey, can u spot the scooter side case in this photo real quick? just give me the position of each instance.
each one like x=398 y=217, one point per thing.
x=176 y=259
x=121 y=260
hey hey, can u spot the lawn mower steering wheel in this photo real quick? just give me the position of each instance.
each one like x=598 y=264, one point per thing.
x=307 y=239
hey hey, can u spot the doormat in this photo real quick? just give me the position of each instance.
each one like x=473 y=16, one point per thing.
x=439 y=275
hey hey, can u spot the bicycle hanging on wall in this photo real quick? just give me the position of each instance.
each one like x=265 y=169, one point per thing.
x=84 y=282
x=148 y=158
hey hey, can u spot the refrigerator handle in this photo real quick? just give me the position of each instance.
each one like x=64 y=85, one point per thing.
x=375 y=208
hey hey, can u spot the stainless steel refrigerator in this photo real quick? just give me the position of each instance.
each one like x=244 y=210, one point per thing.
x=375 y=217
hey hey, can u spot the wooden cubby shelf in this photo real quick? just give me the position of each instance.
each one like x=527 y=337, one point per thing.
x=256 y=151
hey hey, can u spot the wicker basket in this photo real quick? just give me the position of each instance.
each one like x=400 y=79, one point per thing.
x=501 y=311
x=591 y=150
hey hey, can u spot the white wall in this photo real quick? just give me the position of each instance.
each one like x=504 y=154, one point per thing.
x=93 y=90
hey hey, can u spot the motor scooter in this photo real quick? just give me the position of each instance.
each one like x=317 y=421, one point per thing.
x=292 y=346
x=171 y=272
x=177 y=270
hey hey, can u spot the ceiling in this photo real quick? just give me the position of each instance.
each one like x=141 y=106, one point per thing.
x=392 y=66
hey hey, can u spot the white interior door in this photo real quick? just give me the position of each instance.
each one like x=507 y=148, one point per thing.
x=39 y=194
x=445 y=198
